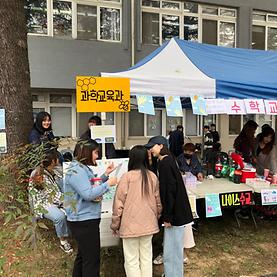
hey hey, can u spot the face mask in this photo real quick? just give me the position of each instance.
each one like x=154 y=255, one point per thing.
x=187 y=156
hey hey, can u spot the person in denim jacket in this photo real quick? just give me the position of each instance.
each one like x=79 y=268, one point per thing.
x=83 y=208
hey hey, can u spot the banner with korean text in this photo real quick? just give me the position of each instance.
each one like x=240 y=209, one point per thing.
x=271 y=107
x=254 y=106
x=102 y=94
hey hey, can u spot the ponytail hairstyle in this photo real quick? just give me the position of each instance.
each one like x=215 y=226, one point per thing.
x=138 y=160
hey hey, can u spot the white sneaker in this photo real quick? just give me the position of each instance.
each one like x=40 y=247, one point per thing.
x=159 y=259
x=66 y=247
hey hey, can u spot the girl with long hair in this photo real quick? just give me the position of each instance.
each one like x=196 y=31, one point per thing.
x=136 y=210
x=266 y=151
x=42 y=129
x=245 y=142
x=83 y=206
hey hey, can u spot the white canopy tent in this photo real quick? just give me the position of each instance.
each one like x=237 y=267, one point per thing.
x=168 y=71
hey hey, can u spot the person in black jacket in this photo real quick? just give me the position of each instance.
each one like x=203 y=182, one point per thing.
x=109 y=147
x=42 y=129
x=188 y=162
x=176 y=208
x=176 y=141
x=214 y=133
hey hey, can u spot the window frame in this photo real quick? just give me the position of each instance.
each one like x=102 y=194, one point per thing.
x=98 y=3
x=256 y=118
x=264 y=23
x=164 y=118
x=182 y=13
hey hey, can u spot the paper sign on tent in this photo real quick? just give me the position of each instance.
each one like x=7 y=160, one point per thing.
x=198 y=105
x=173 y=106
x=212 y=203
x=145 y=104
x=215 y=106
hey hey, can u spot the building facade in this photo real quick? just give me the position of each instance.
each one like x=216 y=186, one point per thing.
x=85 y=37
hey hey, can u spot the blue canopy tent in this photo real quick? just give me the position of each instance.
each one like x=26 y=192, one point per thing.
x=187 y=68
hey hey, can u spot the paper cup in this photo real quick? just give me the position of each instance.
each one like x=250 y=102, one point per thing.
x=266 y=172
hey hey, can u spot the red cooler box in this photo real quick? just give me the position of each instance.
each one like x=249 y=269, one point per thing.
x=248 y=173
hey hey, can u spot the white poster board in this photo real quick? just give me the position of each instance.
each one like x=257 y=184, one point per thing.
x=103 y=133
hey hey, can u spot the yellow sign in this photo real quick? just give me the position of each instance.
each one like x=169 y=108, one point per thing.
x=102 y=94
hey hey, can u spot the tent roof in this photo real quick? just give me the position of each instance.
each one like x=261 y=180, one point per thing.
x=187 y=68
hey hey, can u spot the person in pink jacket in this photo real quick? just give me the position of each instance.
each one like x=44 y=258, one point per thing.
x=136 y=209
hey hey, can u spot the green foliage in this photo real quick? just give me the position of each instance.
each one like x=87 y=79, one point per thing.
x=14 y=179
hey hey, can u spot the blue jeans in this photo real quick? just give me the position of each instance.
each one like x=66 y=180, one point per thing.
x=173 y=251
x=59 y=219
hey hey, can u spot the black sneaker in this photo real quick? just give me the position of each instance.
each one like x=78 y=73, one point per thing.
x=66 y=247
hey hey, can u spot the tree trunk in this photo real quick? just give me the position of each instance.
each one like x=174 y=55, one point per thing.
x=15 y=95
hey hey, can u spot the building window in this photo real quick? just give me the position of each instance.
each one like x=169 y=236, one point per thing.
x=138 y=128
x=109 y=118
x=86 y=22
x=172 y=123
x=62 y=19
x=142 y=125
x=36 y=16
x=236 y=122
x=264 y=31
x=170 y=26
x=150 y=28
x=110 y=24
x=94 y=19
x=61 y=121
x=162 y=20
x=192 y=124
x=209 y=119
x=258 y=37
x=209 y=31
x=136 y=123
x=60 y=98
x=154 y=124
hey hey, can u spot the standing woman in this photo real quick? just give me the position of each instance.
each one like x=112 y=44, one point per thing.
x=176 y=208
x=136 y=209
x=42 y=129
x=266 y=151
x=83 y=206
x=245 y=142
